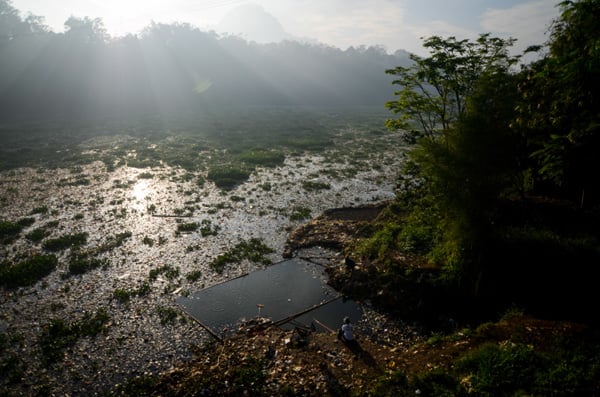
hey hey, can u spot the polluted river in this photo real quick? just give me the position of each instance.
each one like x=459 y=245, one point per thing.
x=140 y=241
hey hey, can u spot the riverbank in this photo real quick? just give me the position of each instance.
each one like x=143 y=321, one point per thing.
x=395 y=357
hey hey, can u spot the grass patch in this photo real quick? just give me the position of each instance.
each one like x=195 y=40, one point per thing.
x=167 y=315
x=9 y=231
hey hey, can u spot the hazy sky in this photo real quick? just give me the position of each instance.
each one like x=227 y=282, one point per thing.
x=395 y=24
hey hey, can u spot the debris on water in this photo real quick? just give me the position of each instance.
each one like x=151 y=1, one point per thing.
x=114 y=210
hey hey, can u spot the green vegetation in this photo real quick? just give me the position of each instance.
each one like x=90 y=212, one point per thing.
x=187 y=227
x=167 y=315
x=253 y=250
x=496 y=199
x=66 y=241
x=208 y=229
x=59 y=334
x=168 y=271
x=37 y=235
x=27 y=272
x=82 y=263
x=194 y=276
x=300 y=213
x=227 y=177
x=312 y=186
x=9 y=231
x=264 y=158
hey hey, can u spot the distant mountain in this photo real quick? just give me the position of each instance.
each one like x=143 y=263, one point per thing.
x=253 y=23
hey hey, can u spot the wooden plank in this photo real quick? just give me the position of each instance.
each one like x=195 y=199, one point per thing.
x=303 y=312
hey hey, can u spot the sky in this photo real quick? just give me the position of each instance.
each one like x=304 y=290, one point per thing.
x=393 y=24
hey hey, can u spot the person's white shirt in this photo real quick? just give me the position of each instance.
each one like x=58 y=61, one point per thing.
x=347 y=331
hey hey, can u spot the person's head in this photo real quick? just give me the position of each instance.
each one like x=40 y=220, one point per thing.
x=346 y=320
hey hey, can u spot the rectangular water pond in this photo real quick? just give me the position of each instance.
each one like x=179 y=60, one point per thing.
x=291 y=293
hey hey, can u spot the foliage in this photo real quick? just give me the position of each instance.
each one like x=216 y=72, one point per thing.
x=559 y=111
x=187 y=227
x=315 y=185
x=208 y=229
x=434 y=90
x=300 y=213
x=27 y=272
x=265 y=158
x=59 y=334
x=82 y=263
x=168 y=271
x=227 y=177
x=253 y=250
x=66 y=241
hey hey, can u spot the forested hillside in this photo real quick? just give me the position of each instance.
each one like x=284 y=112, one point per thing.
x=172 y=69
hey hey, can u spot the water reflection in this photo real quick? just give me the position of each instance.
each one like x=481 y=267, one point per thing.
x=141 y=191
x=282 y=292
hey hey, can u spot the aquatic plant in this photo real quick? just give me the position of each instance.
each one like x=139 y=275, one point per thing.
x=27 y=272
x=66 y=241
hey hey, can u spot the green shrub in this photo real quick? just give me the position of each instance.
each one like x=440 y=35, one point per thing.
x=208 y=229
x=122 y=295
x=27 y=272
x=167 y=315
x=9 y=231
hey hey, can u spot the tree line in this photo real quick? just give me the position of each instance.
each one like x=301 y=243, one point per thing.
x=175 y=69
x=501 y=189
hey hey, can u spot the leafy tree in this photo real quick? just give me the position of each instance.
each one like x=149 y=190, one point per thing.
x=459 y=102
x=560 y=107
x=434 y=89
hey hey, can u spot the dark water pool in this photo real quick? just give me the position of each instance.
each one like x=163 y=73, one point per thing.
x=291 y=293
